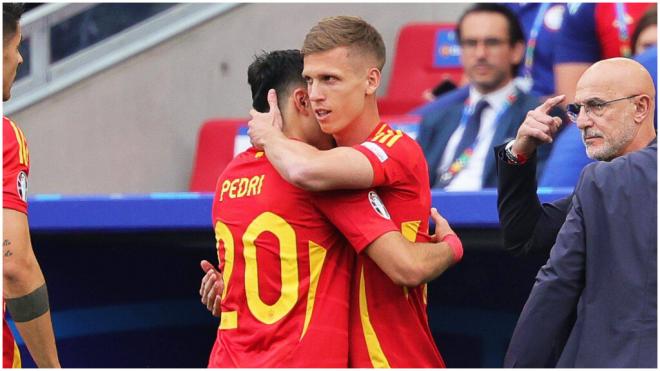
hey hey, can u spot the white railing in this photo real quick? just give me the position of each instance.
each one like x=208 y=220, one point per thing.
x=46 y=78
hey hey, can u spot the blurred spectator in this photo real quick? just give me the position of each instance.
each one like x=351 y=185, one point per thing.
x=540 y=23
x=568 y=156
x=645 y=47
x=457 y=137
x=646 y=32
x=591 y=32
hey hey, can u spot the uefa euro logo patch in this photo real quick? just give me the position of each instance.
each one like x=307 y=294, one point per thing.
x=378 y=205
x=22 y=185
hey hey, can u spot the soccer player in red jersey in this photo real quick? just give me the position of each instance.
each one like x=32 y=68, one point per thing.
x=343 y=59
x=286 y=268
x=24 y=287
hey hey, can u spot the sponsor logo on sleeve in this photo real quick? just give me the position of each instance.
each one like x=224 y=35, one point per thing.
x=22 y=185
x=378 y=205
x=376 y=150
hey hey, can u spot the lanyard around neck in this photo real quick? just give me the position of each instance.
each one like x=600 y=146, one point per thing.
x=624 y=43
x=468 y=109
x=533 y=37
x=464 y=158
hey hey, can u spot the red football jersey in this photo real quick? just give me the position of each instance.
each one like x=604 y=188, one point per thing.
x=15 y=167
x=607 y=27
x=15 y=170
x=389 y=323
x=286 y=268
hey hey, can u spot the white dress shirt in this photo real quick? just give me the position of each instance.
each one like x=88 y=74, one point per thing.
x=470 y=178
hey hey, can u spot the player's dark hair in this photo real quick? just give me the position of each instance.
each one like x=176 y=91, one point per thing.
x=649 y=18
x=280 y=70
x=516 y=34
x=11 y=14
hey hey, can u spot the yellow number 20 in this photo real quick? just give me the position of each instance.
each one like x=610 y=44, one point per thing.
x=263 y=312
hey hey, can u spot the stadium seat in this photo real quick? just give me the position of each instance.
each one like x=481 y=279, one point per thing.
x=426 y=54
x=218 y=141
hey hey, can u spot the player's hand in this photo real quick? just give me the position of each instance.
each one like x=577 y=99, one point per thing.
x=264 y=126
x=538 y=128
x=442 y=227
x=444 y=233
x=211 y=288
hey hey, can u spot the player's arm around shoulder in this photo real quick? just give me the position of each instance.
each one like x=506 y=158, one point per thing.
x=25 y=290
x=302 y=164
x=410 y=264
x=337 y=168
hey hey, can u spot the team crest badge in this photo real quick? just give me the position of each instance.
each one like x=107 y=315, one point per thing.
x=378 y=205
x=22 y=185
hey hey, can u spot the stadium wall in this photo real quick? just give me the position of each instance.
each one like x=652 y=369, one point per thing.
x=133 y=127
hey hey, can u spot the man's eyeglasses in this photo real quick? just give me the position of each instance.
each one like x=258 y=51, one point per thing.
x=489 y=43
x=595 y=107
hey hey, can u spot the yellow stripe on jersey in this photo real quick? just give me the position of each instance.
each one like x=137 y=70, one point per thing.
x=222 y=233
x=379 y=133
x=259 y=154
x=22 y=158
x=16 y=363
x=26 y=152
x=387 y=137
x=228 y=320
x=409 y=232
x=316 y=258
x=396 y=137
x=376 y=355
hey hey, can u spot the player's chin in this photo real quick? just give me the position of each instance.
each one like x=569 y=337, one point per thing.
x=327 y=127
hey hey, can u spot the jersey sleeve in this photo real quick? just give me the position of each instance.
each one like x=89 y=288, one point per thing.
x=15 y=167
x=359 y=215
x=577 y=41
x=386 y=151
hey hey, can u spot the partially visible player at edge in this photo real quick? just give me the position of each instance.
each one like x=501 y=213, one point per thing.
x=343 y=59
x=286 y=268
x=24 y=288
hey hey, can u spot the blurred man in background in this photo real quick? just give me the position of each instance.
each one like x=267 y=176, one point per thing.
x=591 y=32
x=458 y=137
x=24 y=287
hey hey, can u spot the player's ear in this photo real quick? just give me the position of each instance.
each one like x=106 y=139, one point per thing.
x=373 y=80
x=301 y=100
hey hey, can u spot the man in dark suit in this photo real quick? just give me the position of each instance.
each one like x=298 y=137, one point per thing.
x=527 y=225
x=594 y=303
x=457 y=137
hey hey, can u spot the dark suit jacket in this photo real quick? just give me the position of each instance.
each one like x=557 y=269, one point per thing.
x=527 y=226
x=594 y=303
x=437 y=127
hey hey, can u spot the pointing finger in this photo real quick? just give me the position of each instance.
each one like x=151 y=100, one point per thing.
x=550 y=103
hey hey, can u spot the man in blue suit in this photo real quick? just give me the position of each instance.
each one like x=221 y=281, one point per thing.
x=457 y=137
x=594 y=303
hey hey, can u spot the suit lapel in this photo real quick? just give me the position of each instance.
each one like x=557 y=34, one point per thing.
x=445 y=127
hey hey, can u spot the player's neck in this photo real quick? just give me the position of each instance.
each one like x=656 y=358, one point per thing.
x=359 y=130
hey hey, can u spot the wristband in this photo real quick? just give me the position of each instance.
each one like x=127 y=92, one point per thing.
x=518 y=159
x=456 y=246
